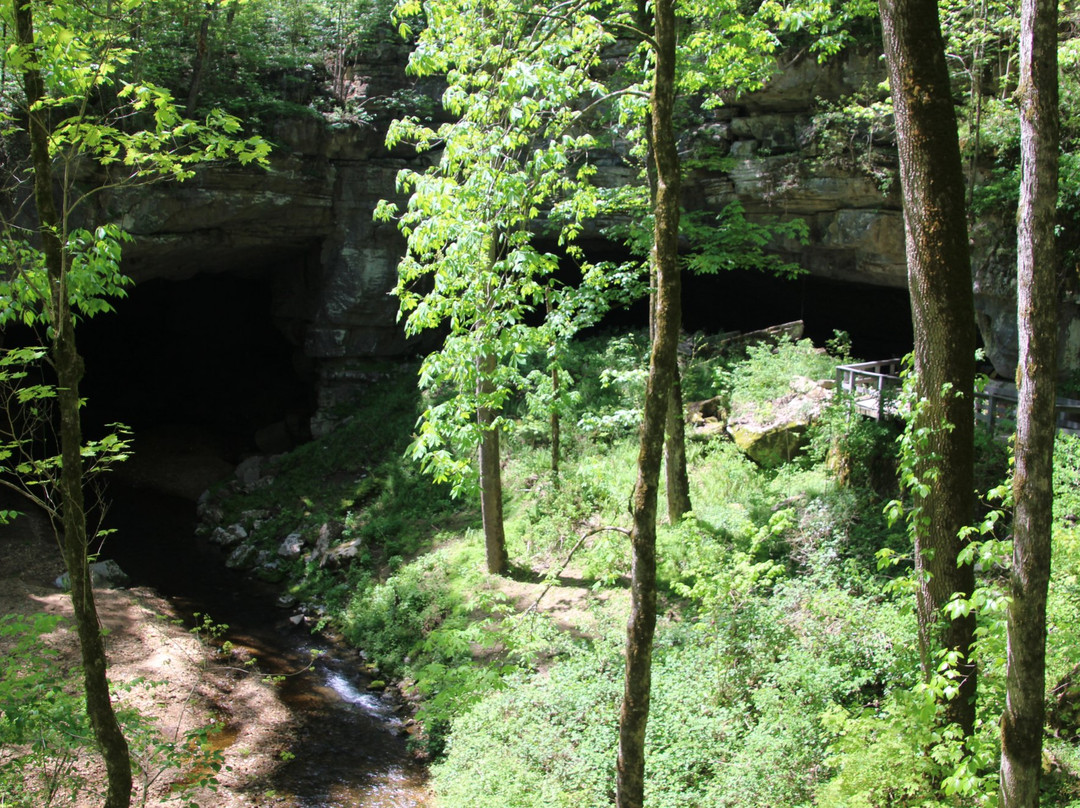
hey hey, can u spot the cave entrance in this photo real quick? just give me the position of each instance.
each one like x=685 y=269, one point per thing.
x=877 y=318
x=204 y=354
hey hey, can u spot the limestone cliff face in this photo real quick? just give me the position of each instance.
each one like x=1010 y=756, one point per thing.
x=779 y=167
x=308 y=219
x=307 y=222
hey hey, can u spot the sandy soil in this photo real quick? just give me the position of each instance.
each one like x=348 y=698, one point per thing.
x=146 y=640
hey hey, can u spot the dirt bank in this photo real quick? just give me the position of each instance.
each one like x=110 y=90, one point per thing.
x=146 y=640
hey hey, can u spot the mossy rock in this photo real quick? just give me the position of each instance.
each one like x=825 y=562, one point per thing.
x=769 y=445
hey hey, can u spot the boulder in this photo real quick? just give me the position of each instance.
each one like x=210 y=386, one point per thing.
x=103 y=574
x=769 y=445
x=344 y=552
x=329 y=533
x=228 y=537
x=272 y=572
x=776 y=432
x=249 y=471
x=292 y=546
x=242 y=558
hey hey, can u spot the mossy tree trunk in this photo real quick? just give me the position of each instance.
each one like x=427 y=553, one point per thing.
x=491 y=499
x=1022 y=723
x=678 y=478
x=634 y=715
x=69 y=370
x=943 y=315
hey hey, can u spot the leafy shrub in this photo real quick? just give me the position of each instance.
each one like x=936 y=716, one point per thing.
x=895 y=754
x=768 y=369
x=45 y=733
x=544 y=740
x=992 y=459
x=733 y=720
x=1067 y=478
x=422 y=625
x=392 y=620
x=43 y=723
x=861 y=452
x=611 y=374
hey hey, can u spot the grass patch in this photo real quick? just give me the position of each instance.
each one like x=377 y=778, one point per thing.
x=780 y=636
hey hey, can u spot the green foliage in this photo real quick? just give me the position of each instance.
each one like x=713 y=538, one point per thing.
x=610 y=373
x=1067 y=478
x=855 y=133
x=26 y=457
x=897 y=753
x=514 y=147
x=827 y=28
x=541 y=741
x=786 y=673
x=140 y=137
x=768 y=370
x=266 y=59
x=43 y=723
x=547 y=514
x=733 y=723
x=727 y=240
x=420 y=624
x=860 y=451
x=45 y=733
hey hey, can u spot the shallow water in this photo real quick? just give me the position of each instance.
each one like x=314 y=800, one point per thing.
x=351 y=742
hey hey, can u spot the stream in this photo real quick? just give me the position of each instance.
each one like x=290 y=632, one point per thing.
x=351 y=743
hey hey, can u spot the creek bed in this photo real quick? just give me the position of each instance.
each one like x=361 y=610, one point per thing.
x=351 y=744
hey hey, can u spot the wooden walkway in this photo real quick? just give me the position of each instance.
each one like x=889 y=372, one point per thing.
x=875 y=393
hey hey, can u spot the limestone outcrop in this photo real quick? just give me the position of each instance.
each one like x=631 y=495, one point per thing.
x=775 y=432
x=307 y=220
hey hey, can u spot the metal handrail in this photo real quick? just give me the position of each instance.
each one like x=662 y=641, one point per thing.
x=882 y=377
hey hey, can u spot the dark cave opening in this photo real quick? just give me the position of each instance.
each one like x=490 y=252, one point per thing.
x=876 y=318
x=207 y=351
x=202 y=352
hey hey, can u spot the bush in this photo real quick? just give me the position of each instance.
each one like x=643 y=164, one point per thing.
x=43 y=723
x=861 y=452
x=1067 y=478
x=768 y=369
x=46 y=739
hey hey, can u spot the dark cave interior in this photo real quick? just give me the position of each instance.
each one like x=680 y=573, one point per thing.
x=203 y=351
x=877 y=318
x=206 y=351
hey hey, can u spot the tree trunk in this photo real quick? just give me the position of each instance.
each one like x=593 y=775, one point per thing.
x=1022 y=723
x=202 y=58
x=633 y=718
x=69 y=368
x=491 y=504
x=939 y=280
x=678 y=479
x=556 y=425
x=555 y=420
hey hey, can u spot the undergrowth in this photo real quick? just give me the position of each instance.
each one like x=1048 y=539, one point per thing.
x=786 y=671
x=46 y=739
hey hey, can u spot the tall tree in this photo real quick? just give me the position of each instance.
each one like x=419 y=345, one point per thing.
x=54 y=271
x=518 y=85
x=939 y=280
x=667 y=320
x=1022 y=723
x=69 y=370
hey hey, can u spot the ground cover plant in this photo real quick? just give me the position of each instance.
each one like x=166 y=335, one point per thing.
x=787 y=670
